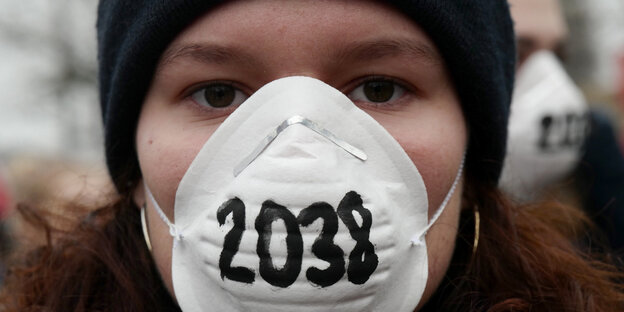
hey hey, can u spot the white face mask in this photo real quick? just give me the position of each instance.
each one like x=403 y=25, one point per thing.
x=300 y=201
x=547 y=127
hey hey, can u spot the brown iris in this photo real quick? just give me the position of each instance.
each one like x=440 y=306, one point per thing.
x=379 y=91
x=219 y=95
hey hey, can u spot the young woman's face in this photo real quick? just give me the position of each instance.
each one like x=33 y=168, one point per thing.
x=376 y=56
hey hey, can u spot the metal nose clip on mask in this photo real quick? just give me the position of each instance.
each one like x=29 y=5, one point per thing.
x=300 y=201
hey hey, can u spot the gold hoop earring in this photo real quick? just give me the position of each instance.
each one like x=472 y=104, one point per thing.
x=477 y=221
x=145 y=231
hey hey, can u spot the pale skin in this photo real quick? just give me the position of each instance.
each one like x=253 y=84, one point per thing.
x=343 y=43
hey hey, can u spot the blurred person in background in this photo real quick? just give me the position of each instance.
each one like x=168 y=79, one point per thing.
x=559 y=148
x=190 y=88
x=5 y=242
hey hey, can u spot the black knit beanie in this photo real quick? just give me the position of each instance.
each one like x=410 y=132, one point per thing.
x=475 y=38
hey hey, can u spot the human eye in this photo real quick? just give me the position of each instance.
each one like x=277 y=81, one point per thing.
x=377 y=91
x=218 y=95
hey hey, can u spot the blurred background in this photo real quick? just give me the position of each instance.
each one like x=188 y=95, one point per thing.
x=595 y=51
x=50 y=125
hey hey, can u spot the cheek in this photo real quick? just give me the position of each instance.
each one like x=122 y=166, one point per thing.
x=438 y=165
x=163 y=163
x=435 y=144
x=166 y=146
x=165 y=150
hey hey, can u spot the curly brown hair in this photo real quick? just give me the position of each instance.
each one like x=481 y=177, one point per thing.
x=525 y=261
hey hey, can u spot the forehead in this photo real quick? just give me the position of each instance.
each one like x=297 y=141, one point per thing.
x=319 y=16
x=249 y=32
x=540 y=20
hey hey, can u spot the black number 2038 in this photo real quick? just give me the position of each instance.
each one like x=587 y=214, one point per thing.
x=362 y=260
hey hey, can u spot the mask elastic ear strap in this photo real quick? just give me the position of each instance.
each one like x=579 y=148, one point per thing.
x=419 y=239
x=175 y=232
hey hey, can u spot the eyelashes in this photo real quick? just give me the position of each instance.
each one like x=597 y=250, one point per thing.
x=377 y=91
x=223 y=97
x=218 y=95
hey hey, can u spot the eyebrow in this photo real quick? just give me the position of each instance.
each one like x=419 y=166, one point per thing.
x=375 y=49
x=205 y=53
x=358 y=51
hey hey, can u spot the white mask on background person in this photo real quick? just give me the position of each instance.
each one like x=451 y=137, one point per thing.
x=300 y=201
x=547 y=127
